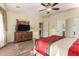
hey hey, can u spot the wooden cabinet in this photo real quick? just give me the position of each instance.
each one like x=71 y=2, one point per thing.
x=23 y=35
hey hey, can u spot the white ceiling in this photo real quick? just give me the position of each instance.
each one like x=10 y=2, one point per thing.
x=33 y=8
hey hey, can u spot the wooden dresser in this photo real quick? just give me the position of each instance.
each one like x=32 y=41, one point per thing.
x=23 y=36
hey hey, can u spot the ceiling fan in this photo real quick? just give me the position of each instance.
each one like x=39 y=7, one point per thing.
x=49 y=7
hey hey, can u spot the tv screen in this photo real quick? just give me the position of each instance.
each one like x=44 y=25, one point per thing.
x=23 y=27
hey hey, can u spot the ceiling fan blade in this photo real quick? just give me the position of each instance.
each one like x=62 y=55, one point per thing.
x=42 y=9
x=55 y=8
x=54 y=4
x=43 y=4
x=49 y=4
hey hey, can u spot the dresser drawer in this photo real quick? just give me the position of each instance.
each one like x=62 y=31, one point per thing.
x=22 y=36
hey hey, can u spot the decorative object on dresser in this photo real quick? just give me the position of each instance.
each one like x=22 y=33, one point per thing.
x=22 y=32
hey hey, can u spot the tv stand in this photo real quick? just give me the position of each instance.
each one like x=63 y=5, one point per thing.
x=23 y=36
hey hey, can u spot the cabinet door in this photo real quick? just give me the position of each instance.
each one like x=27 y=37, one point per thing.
x=17 y=37
x=29 y=35
x=22 y=36
x=69 y=27
x=60 y=27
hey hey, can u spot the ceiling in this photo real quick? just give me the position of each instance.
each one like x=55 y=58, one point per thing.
x=33 y=8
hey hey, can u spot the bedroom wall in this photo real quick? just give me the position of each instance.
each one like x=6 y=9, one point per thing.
x=62 y=16
x=11 y=19
x=34 y=20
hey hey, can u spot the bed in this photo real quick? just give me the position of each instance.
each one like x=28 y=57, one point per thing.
x=43 y=44
x=68 y=46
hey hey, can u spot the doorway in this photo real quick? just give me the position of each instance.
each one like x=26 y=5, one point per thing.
x=43 y=29
x=40 y=30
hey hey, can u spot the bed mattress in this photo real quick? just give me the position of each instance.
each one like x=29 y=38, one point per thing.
x=68 y=46
x=44 y=44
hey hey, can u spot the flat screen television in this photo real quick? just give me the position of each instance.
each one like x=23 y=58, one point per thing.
x=23 y=27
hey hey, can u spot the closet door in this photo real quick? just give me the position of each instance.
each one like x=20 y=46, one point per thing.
x=76 y=27
x=69 y=27
x=72 y=27
x=60 y=27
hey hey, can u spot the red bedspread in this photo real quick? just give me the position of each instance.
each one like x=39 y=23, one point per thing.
x=43 y=43
x=74 y=49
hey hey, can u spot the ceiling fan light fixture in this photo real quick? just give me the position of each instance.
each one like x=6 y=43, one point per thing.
x=49 y=9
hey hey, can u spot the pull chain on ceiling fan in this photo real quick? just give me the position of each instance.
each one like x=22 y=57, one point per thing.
x=49 y=7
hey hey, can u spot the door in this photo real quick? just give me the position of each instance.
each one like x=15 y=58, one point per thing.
x=60 y=27
x=40 y=29
x=45 y=29
x=72 y=27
